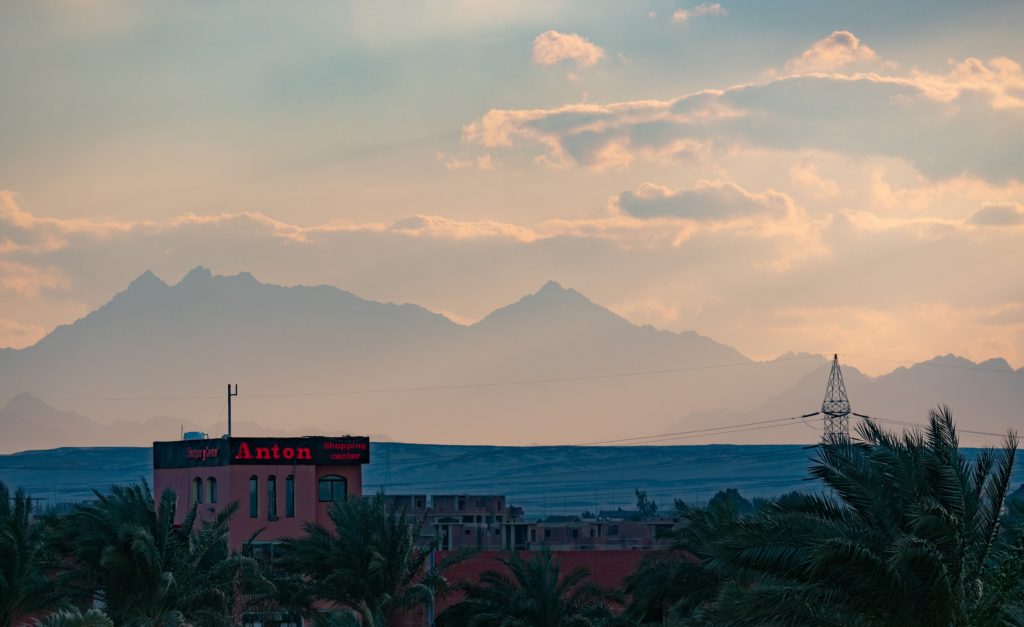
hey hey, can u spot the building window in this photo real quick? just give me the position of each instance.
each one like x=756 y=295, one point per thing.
x=332 y=488
x=289 y=496
x=212 y=484
x=197 y=490
x=547 y=533
x=271 y=497
x=254 y=497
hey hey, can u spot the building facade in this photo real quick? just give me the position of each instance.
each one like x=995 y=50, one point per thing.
x=279 y=483
x=490 y=523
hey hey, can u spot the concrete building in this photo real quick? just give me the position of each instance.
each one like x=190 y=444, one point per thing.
x=489 y=523
x=279 y=483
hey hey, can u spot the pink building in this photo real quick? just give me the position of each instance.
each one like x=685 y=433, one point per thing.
x=279 y=483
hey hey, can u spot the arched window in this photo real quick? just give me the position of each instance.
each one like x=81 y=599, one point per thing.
x=254 y=497
x=332 y=488
x=212 y=485
x=272 y=497
x=197 y=490
x=289 y=496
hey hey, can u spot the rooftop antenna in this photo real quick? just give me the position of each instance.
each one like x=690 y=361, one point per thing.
x=230 y=395
x=836 y=406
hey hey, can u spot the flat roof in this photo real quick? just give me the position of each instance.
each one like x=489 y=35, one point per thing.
x=309 y=450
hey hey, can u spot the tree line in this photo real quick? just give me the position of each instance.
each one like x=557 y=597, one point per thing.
x=908 y=530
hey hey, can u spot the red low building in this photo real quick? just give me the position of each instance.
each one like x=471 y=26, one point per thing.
x=282 y=483
x=279 y=483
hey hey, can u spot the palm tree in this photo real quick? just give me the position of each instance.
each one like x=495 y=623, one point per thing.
x=676 y=582
x=532 y=593
x=910 y=537
x=369 y=564
x=24 y=588
x=75 y=618
x=127 y=552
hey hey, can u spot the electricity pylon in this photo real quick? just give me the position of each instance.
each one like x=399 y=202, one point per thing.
x=836 y=406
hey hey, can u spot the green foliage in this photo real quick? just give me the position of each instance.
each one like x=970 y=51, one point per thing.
x=532 y=593
x=24 y=588
x=127 y=552
x=75 y=618
x=676 y=584
x=646 y=508
x=732 y=499
x=910 y=535
x=369 y=562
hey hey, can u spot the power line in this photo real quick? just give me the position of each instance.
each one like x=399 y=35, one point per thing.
x=663 y=435
x=916 y=424
x=455 y=386
x=544 y=479
x=516 y=382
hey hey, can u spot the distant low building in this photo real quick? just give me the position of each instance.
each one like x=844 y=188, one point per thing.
x=488 y=522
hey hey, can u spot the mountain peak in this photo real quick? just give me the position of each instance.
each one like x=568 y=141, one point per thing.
x=552 y=303
x=146 y=280
x=199 y=274
x=553 y=286
x=552 y=291
x=22 y=402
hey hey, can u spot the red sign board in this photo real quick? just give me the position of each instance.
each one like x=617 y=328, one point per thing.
x=262 y=451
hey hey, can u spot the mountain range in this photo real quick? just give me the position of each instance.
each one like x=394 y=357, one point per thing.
x=553 y=367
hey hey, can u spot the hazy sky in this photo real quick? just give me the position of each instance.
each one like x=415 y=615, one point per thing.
x=780 y=176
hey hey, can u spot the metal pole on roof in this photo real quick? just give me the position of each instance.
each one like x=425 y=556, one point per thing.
x=230 y=395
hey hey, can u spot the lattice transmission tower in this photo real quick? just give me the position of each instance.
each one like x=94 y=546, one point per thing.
x=836 y=406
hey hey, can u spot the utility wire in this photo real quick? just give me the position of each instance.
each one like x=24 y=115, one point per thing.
x=663 y=435
x=516 y=382
x=456 y=386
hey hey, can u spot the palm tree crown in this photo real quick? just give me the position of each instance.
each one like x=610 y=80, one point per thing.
x=24 y=588
x=910 y=535
x=126 y=551
x=369 y=563
x=532 y=593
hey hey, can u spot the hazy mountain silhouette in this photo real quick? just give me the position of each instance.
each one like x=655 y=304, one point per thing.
x=321 y=359
x=553 y=367
x=27 y=423
x=985 y=396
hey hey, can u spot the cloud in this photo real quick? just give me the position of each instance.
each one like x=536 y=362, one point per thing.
x=437 y=226
x=1000 y=81
x=681 y=15
x=1008 y=315
x=998 y=215
x=838 y=50
x=16 y=334
x=709 y=200
x=808 y=177
x=27 y=280
x=552 y=47
x=944 y=125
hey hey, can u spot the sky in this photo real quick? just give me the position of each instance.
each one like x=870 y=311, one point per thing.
x=784 y=176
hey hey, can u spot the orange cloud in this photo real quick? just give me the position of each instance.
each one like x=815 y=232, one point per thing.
x=27 y=280
x=682 y=15
x=552 y=47
x=838 y=50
